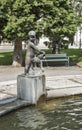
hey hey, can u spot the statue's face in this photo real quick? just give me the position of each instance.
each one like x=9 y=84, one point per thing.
x=32 y=38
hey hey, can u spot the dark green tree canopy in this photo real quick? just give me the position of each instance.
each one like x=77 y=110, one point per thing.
x=51 y=17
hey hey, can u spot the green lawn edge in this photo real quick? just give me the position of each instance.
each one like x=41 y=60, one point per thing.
x=75 y=56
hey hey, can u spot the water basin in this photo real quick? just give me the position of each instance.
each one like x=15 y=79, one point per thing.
x=60 y=114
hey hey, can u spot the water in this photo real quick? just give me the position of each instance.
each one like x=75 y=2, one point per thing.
x=61 y=114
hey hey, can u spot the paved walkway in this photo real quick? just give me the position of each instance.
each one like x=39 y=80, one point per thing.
x=60 y=81
x=57 y=78
x=9 y=73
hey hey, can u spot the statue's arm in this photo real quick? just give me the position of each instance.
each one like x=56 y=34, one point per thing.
x=35 y=48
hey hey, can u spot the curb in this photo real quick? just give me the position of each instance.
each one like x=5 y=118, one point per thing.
x=13 y=106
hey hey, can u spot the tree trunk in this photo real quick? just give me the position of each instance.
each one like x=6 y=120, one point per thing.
x=17 y=55
x=56 y=49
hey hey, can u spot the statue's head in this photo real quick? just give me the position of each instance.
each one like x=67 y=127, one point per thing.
x=32 y=35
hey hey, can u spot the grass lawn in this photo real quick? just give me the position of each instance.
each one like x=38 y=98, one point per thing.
x=75 y=56
x=6 y=58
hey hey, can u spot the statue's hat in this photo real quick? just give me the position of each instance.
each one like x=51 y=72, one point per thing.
x=32 y=33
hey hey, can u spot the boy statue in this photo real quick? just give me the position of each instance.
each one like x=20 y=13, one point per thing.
x=33 y=54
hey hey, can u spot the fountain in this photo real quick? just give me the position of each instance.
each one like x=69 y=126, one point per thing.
x=31 y=84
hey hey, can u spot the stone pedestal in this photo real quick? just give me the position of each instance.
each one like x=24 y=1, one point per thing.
x=30 y=88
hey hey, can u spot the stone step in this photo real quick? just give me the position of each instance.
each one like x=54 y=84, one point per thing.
x=4 y=109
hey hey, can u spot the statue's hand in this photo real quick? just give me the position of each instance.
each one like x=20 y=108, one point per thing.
x=36 y=59
x=43 y=53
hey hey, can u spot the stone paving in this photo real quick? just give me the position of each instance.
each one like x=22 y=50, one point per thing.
x=61 y=86
x=55 y=84
x=60 y=81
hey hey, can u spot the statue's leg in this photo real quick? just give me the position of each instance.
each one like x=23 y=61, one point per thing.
x=27 y=64
x=41 y=66
x=27 y=68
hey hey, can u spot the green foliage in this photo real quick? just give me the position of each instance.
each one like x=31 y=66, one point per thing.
x=17 y=19
x=51 y=17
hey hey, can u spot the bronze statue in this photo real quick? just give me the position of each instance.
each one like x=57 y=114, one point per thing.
x=33 y=54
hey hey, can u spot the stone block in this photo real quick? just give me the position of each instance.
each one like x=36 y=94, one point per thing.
x=30 y=87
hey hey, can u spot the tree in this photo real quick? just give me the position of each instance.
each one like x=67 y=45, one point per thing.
x=62 y=21
x=54 y=19
x=16 y=25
